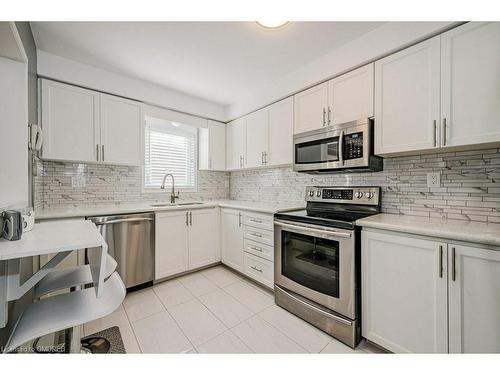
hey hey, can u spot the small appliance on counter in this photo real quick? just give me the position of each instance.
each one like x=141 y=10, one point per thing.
x=317 y=258
x=12 y=225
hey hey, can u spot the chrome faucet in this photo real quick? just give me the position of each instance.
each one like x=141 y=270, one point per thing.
x=172 y=194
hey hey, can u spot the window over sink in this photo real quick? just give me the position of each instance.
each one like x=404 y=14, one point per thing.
x=169 y=147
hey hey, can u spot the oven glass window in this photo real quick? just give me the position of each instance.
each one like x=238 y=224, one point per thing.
x=319 y=151
x=311 y=261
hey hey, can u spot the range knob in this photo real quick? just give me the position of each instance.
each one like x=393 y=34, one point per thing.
x=370 y=194
x=359 y=194
x=311 y=193
x=318 y=193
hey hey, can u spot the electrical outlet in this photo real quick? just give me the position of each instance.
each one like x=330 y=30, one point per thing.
x=433 y=179
x=78 y=181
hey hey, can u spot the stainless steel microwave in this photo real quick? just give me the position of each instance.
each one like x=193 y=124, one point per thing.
x=337 y=148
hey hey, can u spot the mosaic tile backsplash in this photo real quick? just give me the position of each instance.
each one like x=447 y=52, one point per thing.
x=112 y=184
x=470 y=185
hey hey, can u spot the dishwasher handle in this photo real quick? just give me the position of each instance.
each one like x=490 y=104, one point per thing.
x=130 y=219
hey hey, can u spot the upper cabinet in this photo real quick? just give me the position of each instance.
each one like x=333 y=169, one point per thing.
x=440 y=93
x=345 y=98
x=280 y=133
x=69 y=113
x=470 y=84
x=257 y=138
x=236 y=147
x=407 y=99
x=212 y=146
x=102 y=128
x=350 y=96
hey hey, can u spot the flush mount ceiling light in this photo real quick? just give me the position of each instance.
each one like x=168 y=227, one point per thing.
x=272 y=24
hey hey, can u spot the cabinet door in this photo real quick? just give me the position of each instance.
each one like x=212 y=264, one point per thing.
x=235 y=137
x=470 y=79
x=70 y=121
x=351 y=96
x=203 y=237
x=407 y=99
x=403 y=293
x=121 y=121
x=257 y=138
x=212 y=147
x=232 y=239
x=310 y=108
x=280 y=133
x=171 y=245
x=474 y=300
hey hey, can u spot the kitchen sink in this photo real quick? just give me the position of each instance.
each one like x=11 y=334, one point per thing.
x=174 y=204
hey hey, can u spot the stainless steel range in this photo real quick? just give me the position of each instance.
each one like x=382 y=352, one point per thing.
x=316 y=269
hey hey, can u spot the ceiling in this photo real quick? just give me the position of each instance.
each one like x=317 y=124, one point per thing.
x=216 y=61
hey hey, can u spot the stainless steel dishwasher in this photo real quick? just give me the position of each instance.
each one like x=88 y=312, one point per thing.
x=131 y=242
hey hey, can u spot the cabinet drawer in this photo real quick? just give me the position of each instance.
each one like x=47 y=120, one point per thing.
x=259 y=220
x=259 y=269
x=259 y=235
x=261 y=250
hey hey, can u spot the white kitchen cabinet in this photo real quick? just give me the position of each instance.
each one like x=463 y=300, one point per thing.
x=101 y=127
x=350 y=96
x=407 y=95
x=203 y=236
x=70 y=122
x=404 y=293
x=280 y=133
x=212 y=146
x=120 y=130
x=474 y=299
x=257 y=138
x=470 y=76
x=236 y=144
x=232 y=238
x=171 y=243
x=310 y=108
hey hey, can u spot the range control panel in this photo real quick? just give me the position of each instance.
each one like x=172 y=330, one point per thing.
x=353 y=195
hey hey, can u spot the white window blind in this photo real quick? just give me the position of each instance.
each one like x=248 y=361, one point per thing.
x=170 y=147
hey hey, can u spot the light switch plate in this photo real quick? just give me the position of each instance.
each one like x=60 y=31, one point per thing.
x=78 y=181
x=433 y=179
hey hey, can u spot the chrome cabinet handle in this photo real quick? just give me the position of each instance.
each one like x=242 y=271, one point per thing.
x=255 y=220
x=262 y=157
x=329 y=115
x=239 y=219
x=256 y=269
x=435 y=135
x=187 y=220
x=445 y=130
x=453 y=269
x=102 y=152
x=190 y=218
x=97 y=149
x=440 y=261
x=256 y=248
x=324 y=115
x=255 y=235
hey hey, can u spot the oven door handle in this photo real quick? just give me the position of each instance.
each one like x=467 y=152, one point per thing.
x=312 y=229
x=335 y=317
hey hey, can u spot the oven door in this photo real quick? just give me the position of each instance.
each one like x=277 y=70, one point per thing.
x=317 y=263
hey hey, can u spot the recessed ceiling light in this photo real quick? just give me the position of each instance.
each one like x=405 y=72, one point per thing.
x=272 y=24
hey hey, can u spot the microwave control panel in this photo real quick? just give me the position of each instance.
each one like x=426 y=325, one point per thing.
x=353 y=146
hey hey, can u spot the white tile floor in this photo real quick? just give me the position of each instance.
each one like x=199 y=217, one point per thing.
x=214 y=311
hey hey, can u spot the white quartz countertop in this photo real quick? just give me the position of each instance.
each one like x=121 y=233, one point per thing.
x=52 y=237
x=459 y=230
x=107 y=209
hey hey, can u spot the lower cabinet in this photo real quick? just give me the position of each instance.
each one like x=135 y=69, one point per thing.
x=422 y=295
x=232 y=238
x=247 y=244
x=185 y=240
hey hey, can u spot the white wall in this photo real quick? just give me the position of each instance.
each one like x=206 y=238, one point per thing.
x=70 y=71
x=368 y=47
x=13 y=134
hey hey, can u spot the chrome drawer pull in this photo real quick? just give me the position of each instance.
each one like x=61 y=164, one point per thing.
x=256 y=269
x=255 y=220
x=256 y=235
x=256 y=248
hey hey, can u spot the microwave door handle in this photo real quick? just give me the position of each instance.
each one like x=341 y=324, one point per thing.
x=341 y=148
